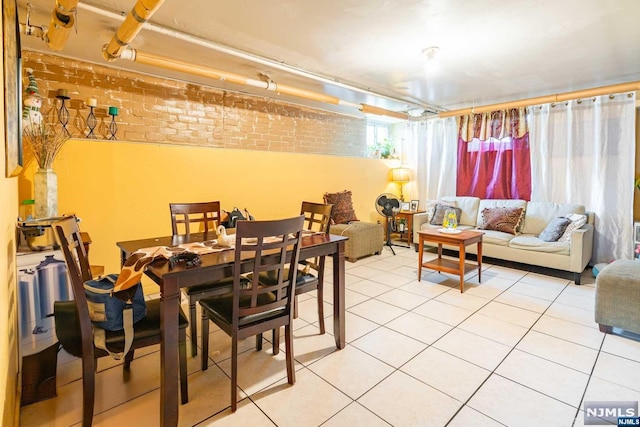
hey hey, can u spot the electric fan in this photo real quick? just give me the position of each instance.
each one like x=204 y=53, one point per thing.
x=388 y=206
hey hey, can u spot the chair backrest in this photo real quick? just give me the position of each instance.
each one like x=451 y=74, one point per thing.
x=75 y=257
x=317 y=216
x=206 y=214
x=268 y=243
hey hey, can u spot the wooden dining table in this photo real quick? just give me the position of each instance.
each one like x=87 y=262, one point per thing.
x=216 y=266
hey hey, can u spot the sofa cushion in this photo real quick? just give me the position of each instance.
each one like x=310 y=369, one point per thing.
x=498 y=238
x=502 y=219
x=505 y=203
x=438 y=214
x=577 y=221
x=342 y=212
x=469 y=206
x=554 y=230
x=539 y=214
x=529 y=242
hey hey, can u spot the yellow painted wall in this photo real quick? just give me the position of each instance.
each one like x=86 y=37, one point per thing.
x=122 y=190
x=8 y=274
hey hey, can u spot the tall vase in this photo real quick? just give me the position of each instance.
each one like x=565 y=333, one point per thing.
x=45 y=183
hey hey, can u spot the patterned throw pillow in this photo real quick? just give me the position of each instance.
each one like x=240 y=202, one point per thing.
x=577 y=221
x=430 y=207
x=553 y=231
x=502 y=219
x=342 y=207
x=438 y=214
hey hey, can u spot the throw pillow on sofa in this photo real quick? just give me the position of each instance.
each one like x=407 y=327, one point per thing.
x=342 y=212
x=438 y=214
x=430 y=207
x=577 y=221
x=502 y=219
x=554 y=230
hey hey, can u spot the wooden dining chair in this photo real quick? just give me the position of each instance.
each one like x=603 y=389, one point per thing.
x=205 y=215
x=201 y=217
x=310 y=276
x=74 y=328
x=253 y=307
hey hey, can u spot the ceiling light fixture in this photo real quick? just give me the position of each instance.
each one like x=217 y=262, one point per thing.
x=431 y=52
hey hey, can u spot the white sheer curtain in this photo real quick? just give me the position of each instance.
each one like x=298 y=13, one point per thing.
x=432 y=147
x=584 y=152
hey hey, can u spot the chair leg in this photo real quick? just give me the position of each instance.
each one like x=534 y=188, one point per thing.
x=259 y=342
x=182 y=358
x=205 y=342
x=193 y=327
x=295 y=308
x=234 y=374
x=88 y=389
x=320 y=308
x=276 y=341
x=127 y=360
x=288 y=339
x=605 y=328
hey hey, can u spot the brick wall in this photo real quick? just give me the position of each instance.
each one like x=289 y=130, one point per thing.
x=159 y=110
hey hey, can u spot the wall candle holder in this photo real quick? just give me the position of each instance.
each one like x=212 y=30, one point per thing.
x=113 y=127
x=91 y=120
x=63 y=112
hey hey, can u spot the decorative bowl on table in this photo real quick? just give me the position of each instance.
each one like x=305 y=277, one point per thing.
x=449 y=230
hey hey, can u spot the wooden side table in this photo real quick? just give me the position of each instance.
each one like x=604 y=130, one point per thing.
x=462 y=240
x=407 y=234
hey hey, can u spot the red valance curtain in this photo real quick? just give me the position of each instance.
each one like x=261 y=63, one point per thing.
x=493 y=155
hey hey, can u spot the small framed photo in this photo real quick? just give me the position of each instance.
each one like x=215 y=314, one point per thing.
x=414 y=205
x=404 y=206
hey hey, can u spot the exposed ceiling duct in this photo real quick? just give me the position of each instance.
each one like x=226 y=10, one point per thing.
x=133 y=23
x=202 y=71
x=144 y=9
x=63 y=20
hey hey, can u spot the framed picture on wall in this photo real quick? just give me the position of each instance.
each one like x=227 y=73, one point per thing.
x=414 y=205
x=12 y=88
x=404 y=206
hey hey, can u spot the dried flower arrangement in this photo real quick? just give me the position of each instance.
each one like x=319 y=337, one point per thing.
x=44 y=141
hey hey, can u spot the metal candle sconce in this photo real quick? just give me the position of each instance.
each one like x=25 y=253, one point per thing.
x=63 y=112
x=113 y=127
x=91 y=118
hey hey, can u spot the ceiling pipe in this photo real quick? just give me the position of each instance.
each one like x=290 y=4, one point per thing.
x=131 y=26
x=172 y=64
x=254 y=58
x=144 y=9
x=547 y=99
x=63 y=19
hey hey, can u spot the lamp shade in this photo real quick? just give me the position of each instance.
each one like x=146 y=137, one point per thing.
x=400 y=175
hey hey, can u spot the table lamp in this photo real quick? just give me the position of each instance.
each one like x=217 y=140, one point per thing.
x=400 y=176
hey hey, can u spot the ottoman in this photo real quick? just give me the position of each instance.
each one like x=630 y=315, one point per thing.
x=365 y=238
x=618 y=296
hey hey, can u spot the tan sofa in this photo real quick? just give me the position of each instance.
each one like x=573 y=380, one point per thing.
x=524 y=247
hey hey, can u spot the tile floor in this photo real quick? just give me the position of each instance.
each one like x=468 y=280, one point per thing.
x=520 y=349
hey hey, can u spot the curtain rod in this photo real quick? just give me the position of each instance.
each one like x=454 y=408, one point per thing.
x=586 y=93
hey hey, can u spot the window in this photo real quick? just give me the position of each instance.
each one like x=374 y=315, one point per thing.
x=377 y=133
x=379 y=142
